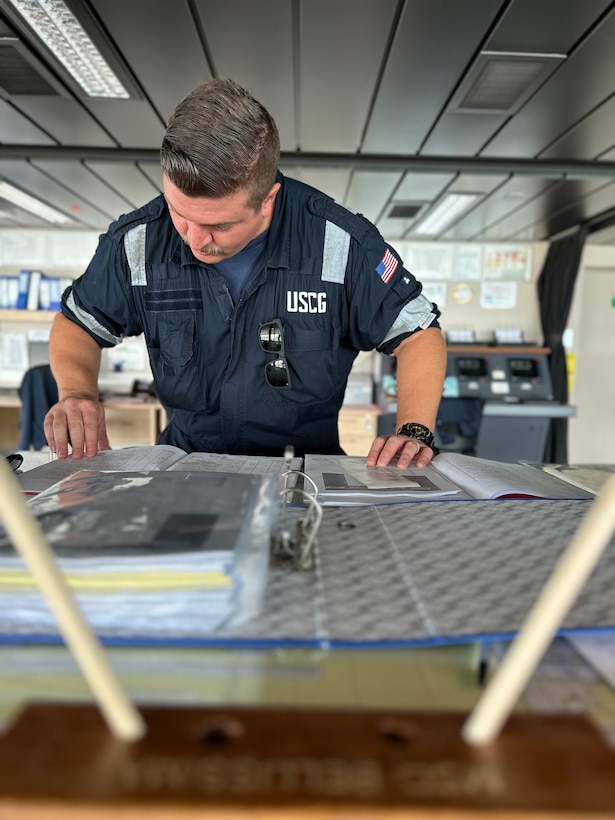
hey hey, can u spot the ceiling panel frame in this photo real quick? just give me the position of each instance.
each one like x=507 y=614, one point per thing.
x=361 y=91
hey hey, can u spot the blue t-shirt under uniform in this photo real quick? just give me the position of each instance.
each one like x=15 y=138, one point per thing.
x=237 y=269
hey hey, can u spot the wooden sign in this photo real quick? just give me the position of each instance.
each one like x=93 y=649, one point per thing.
x=301 y=763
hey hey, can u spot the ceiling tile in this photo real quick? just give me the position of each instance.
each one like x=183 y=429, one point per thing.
x=567 y=195
x=84 y=185
x=462 y=134
x=370 y=191
x=65 y=120
x=338 y=73
x=589 y=138
x=128 y=180
x=253 y=44
x=422 y=187
x=505 y=200
x=417 y=81
x=33 y=180
x=160 y=43
x=17 y=129
x=580 y=84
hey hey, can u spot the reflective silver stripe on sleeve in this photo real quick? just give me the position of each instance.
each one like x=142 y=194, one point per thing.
x=134 y=244
x=90 y=322
x=335 y=254
x=416 y=314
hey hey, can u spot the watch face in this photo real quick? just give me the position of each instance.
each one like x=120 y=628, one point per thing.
x=417 y=431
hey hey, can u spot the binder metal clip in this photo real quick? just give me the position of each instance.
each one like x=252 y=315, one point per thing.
x=295 y=536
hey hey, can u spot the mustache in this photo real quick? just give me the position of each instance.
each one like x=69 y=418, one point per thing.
x=207 y=250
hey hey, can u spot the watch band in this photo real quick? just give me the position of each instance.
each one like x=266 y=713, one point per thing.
x=419 y=432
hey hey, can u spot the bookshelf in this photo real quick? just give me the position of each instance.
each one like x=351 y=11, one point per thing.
x=38 y=316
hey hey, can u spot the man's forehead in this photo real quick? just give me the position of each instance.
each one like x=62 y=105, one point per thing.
x=206 y=211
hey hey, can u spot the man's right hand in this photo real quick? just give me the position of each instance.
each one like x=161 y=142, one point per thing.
x=80 y=422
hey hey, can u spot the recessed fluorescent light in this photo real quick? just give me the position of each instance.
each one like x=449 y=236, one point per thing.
x=35 y=206
x=444 y=213
x=64 y=35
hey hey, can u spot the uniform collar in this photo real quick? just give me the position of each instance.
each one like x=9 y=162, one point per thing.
x=183 y=254
x=277 y=253
x=180 y=254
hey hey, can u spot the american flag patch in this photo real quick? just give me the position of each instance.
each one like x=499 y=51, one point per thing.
x=387 y=267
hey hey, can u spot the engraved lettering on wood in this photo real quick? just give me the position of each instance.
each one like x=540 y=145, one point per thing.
x=449 y=779
x=330 y=777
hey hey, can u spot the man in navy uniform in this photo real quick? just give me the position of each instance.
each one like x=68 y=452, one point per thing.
x=254 y=292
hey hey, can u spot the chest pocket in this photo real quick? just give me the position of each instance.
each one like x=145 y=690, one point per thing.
x=313 y=359
x=171 y=341
x=306 y=340
x=176 y=332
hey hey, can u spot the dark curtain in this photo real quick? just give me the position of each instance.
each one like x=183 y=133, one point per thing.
x=555 y=290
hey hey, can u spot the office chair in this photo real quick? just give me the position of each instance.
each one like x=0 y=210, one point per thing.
x=458 y=424
x=38 y=393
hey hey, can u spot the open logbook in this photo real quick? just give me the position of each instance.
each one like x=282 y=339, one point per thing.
x=347 y=480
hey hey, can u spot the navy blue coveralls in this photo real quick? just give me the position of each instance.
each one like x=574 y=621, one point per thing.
x=326 y=274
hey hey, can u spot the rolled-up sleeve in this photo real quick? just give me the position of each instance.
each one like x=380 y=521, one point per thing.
x=386 y=300
x=100 y=300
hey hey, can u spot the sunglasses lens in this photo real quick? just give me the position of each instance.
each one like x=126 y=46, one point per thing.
x=277 y=373
x=271 y=338
x=272 y=341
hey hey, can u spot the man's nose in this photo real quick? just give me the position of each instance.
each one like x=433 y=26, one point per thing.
x=198 y=236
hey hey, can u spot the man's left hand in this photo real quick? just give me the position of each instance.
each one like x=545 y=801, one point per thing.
x=407 y=450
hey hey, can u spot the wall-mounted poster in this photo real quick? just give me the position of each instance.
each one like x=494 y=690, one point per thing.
x=468 y=263
x=72 y=249
x=14 y=351
x=428 y=261
x=498 y=295
x=507 y=263
x=23 y=249
x=435 y=292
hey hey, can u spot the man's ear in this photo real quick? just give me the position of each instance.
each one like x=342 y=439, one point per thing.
x=269 y=200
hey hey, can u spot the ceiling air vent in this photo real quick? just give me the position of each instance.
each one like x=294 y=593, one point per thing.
x=500 y=82
x=19 y=72
x=404 y=211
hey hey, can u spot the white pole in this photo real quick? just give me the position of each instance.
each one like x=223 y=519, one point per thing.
x=29 y=540
x=544 y=619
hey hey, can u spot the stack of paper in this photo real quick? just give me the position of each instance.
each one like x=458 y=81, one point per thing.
x=151 y=457
x=148 y=555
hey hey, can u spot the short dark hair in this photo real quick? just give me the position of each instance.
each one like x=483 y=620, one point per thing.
x=220 y=140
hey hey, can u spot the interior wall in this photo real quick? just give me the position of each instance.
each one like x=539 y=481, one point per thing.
x=590 y=345
x=462 y=309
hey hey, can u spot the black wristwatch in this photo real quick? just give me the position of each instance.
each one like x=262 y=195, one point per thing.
x=418 y=431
